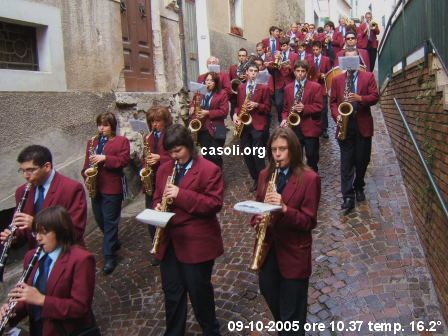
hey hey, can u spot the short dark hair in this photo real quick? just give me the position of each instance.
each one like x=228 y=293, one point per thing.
x=107 y=118
x=259 y=59
x=159 y=113
x=178 y=135
x=253 y=64
x=329 y=24
x=36 y=153
x=320 y=30
x=215 y=79
x=350 y=32
x=317 y=44
x=243 y=49
x=56 y=219
x=284 y=40
x=302 y=64
x=272 y=29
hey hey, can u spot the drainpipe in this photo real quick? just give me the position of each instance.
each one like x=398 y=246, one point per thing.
x=182 y=46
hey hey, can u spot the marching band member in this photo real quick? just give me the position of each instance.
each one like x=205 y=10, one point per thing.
x=261 y=67
x=111 y=155
x=319 y=66
x=350 y=42
x=254 y=99
x=339 y=36
x=192 y=239
x=58 y=294
x=271 y=43
x=327 y=44
x=223 y=76
x=355 y=149
x=49 y=188
x=284 y=276
x=261 y=52
x=158 y=119
x=213 y=111
x=309 y=108
x=236 y=73
x=301 y=53
x=367 y=38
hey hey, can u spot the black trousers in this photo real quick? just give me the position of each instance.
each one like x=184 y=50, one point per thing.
x=252 y=138
x=278 y=101
x=206 y=140
x=148 y=205
x=311 y=146
x=355 y=157
x=178 y=280
x=324 y=115
x=372 y=55
x=286 y=298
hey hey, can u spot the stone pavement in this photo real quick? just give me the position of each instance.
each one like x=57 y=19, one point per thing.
x=367 y=266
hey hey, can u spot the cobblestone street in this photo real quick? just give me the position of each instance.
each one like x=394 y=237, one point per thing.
x=367 y=266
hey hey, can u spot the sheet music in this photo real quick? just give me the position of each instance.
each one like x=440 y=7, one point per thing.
x=349 y=62
x=214 y=67
x=255 y=208
x=156 y=218
x=263 y=77
x=139 y=126
x=13 y=332
x=197 y=87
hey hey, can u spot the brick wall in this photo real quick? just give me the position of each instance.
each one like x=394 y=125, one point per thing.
x=429 y=122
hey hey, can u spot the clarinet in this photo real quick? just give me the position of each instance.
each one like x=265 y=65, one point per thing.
x=7 y=243
x=12 y=304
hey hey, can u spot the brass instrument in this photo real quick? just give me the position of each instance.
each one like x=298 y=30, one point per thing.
x=146 y=173
x=8 y=242
x=244 y=117
x=277 y=62
x=260 y=251
x=195 y=124
x=345 y=109
x=373 y=24
x=293 y=117
x=234 y=83
x=91 y=172
x=24 y=277
x=304 y=30
x=166 y=202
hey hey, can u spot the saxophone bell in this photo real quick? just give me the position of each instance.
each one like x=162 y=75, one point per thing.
x=91 y=173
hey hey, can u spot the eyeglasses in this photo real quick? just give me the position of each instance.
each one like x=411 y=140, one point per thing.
x=28 y=170
x=349 y=38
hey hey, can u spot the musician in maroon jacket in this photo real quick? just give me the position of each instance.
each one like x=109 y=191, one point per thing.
x=223 y=76
x=350 y=42
x=309 y=108
x=367 y=38
x=192 y=239
x=319 y=66
x=158 y=119
x=284 y=276
x=339 y=36
x=355 y=149
x=236 y=73
x=213 y=111
x=111 y=156
x=302 y=55
x=49 y=188
x=58 y=294
x=259 y=108
x=271 y=43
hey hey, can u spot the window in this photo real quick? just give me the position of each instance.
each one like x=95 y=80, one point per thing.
x=236 y=25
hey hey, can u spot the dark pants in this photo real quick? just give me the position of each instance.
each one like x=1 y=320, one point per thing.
x=278 y=101
x=107 y=211
x=324 y=115
x=286 y=298
x=311 y=148
x=252 y=138
x=206 y=140
x=178 y=280
x=148 y=205
x=355 y=157
x=372 y=55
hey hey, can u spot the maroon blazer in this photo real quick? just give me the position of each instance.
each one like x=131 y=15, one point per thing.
x=367 y=89
x=110 y=172
x=194 y=230
x=70 y=289
x=363 y=55
x=285 y=75
x=261 y=96
x=363 y=36
x=310 y=116
x=338 y=41
x=64 y=192
x=290 y=232
x=324 y=67
x=224 y=80
x=304 y=59
x=267 y=44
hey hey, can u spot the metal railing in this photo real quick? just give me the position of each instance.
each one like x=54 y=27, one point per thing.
x=422 y=160
x=412 y=25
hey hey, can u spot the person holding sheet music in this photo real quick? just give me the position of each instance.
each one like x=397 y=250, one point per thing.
x=192 y=238
x=223 y=76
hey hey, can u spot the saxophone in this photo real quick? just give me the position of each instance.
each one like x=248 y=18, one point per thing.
x=195 y=124
x=7 y=243
x=293 y=117
x=164 y=207
x=24 y=277
x=91 y=172
x=146 y=173
x=260 y=251
x=345 y=109
x=244 y=117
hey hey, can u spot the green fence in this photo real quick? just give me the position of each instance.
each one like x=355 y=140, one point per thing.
x=413 y=24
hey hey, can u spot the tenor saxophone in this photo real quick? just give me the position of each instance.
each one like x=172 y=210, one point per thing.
x=345 y=109
x=146 y=173
x=293 y=117
x=164 y=207
x=260 y=249
x=11 y=303
x=91 y=172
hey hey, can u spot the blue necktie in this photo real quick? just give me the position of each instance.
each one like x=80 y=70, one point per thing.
x=273 y=47
x=316 y=63
x=206 y=101
x=101 y=144
x=250 y=87
x=282 y=180
x=156 y=141
x=284 y=58
x=41 y=283
x=40 y=199
x=180 y=175
x=298 y=86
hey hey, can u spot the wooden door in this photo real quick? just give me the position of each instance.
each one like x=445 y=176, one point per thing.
x=137 y=45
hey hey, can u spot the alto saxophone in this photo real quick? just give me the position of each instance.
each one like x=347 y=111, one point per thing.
x=164 y=207
x=11 y=303
x=91 y=172
x=293 y=117
x=245 y=118
x=345 y=109
x=8 y=242
x=195 y=124
x=146 y=173
x=260 y=250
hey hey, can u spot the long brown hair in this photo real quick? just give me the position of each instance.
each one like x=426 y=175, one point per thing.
x=159 y=113
x=294 y=149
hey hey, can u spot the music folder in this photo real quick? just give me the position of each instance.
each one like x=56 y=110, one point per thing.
x=255 y=208
x=156 y=218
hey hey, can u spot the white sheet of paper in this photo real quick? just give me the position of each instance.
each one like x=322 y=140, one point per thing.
x=214 y=67
x=197 y=87
x=139 y=126
x=256 y=208
x=349 y=62
x=263 y=77
x=13 y=332
x=156 y=218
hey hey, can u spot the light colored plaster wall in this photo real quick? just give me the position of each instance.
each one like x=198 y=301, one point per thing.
x=218 y=14
x=257 y=18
